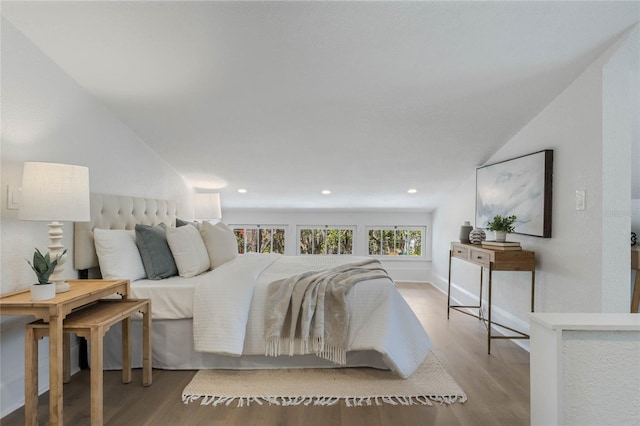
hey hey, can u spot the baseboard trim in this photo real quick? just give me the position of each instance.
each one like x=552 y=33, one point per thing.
x=412 y=282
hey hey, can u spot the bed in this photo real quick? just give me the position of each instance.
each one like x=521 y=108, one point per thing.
x=222 y=311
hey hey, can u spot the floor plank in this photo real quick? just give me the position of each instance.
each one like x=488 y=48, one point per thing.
x=497 y=387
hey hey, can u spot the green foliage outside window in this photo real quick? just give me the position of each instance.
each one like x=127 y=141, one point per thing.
x=395 y=242
x=260 y=239
x=326 y=241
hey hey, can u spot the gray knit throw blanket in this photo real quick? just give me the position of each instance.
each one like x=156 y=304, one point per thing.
x=309 y=310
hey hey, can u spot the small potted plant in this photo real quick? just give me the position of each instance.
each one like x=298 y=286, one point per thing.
x=502 y=226
x=43 y=266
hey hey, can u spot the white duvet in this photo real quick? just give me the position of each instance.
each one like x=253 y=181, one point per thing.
x=228 y=310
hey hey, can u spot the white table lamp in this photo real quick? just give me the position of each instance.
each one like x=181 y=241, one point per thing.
x=55 y=192
x=207 y=206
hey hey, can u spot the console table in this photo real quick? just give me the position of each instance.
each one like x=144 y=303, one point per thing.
x=53 y=312
x=493 y=260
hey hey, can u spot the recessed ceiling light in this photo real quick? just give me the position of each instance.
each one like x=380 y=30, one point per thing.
x=412 y=191
x=326 y=192
x=242 y=191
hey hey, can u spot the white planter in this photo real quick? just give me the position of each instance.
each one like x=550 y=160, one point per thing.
x=501 y=236
x=43 y=291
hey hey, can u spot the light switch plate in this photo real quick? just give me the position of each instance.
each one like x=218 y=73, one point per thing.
x=581 y=199
x=13 y=197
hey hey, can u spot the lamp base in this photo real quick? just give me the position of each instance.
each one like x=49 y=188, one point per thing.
x=62 y=287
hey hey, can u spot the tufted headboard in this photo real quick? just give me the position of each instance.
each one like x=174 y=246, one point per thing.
x=117 y=212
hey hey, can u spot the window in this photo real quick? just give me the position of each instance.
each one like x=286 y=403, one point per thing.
x=259 y=238
x=396 y=241
x=325 y=240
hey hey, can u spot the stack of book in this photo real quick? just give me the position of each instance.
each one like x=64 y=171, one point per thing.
x=502 y=245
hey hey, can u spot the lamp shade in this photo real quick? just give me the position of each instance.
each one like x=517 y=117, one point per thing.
x=207 y=206
x=54 y=192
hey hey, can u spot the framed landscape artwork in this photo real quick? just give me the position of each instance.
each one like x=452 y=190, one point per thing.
x=520 y=186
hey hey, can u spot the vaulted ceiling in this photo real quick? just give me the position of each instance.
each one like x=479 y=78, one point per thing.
x=285 y=99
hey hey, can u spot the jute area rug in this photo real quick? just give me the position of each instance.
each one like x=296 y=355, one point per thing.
x=353 y=386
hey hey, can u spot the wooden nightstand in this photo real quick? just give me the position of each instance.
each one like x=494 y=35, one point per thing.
x=91 y=322
x=53 y=311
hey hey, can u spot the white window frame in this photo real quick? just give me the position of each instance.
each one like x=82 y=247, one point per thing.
x=352 y=228
x=260 y=227
x=423 y=239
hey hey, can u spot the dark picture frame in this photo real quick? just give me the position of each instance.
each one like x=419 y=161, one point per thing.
x=521 y=186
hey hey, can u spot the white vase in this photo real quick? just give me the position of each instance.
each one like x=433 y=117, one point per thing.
x=43 y=291
x=501 y=236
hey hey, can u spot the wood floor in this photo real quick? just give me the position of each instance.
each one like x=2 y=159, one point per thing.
x=497 y=387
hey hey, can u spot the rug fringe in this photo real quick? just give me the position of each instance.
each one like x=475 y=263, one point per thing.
x=358 y=401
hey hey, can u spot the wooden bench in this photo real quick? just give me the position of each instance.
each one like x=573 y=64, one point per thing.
x=91 y=322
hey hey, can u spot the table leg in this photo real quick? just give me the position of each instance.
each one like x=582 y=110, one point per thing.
x=96 y=375
x=480 y=294
x=55 y=370
x=66 y=348
x=533 y=289
x=449 y=287
x=635 y=301
x=489 y=310
x=126 y=350
x=146 y=347
x=31 y=378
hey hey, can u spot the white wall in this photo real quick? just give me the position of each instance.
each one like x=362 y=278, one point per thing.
x=635 y=175
x=46 y=116
x=584 y=369
x=570 y=273
x=620 y=126
x=400 y=269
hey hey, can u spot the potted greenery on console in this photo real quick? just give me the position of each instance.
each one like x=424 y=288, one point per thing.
x=43 y=266
x=502 y=226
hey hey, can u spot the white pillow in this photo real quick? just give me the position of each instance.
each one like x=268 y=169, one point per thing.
x=118 y=254
x=220 y=241
x=188 y=250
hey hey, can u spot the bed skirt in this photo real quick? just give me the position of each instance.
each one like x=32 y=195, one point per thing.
x=173 y=349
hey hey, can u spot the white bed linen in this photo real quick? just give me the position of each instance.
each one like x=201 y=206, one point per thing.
x=229 y=315
x=172 y=343
x=171 y=298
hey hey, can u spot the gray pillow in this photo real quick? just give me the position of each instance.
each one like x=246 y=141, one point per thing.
x=155 y=252
x=180 y=222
